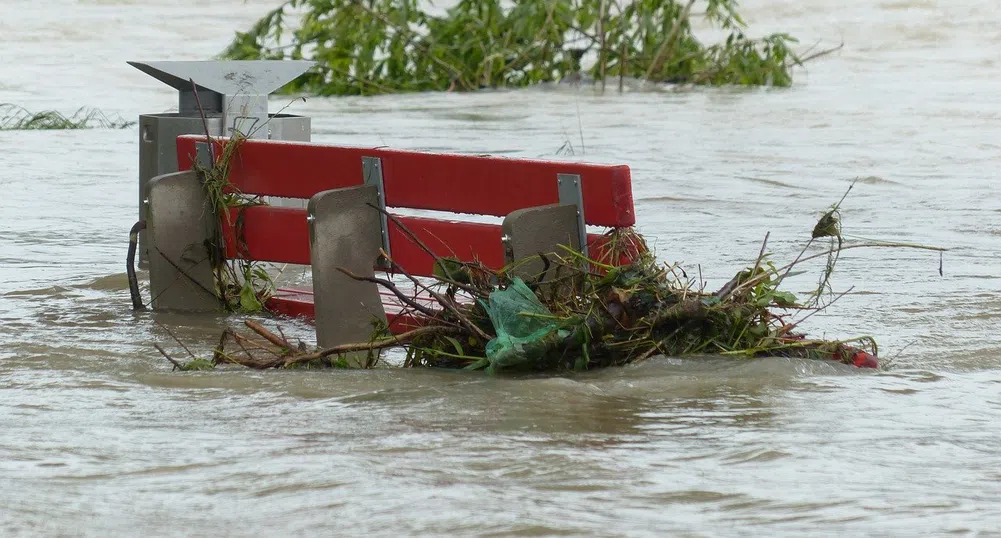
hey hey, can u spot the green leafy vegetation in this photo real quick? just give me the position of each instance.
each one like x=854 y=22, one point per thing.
x=17 y=118
x=365 y=47
x=243 y=285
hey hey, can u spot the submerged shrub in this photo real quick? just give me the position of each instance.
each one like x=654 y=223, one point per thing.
x=382 y=46
x=17 y=118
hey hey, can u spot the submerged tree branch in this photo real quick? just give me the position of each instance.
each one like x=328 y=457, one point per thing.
x=386 y=46
x=396 y=340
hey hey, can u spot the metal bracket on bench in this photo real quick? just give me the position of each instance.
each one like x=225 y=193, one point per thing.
x=571 y=194
x=372 y=171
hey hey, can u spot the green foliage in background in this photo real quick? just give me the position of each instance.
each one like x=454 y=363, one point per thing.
x=381 y=46
x=17 y=118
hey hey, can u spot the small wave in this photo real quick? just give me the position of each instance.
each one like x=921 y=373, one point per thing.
x=114 y=282
x=755 y=456
x=904 y=5
x=770 y=182
x=698 y=496
x=901 y=391
x=876 y=180
x=51 y=291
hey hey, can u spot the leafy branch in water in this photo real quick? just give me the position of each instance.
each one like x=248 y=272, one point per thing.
x=382 y=46
x=17 y=118
x=242 y=284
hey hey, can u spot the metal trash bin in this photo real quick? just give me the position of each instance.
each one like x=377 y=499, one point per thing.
x=233 y=97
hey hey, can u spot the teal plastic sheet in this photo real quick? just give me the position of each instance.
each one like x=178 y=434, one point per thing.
x=523 y=325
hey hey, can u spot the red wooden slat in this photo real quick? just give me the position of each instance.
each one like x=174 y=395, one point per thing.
x=281 y=235
x=498 y=186
x=298 y=303
x=268 y=233
x=467 y=241
x=294 y=303
x=457 y=183
x=280 y=168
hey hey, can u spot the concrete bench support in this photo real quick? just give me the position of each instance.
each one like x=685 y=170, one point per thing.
x=180 y=228
x=344 y=231
x=530 y=231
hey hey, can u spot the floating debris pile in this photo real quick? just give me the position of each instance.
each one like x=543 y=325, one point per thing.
x=576 y=312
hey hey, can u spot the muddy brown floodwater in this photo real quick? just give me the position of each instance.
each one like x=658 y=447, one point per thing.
x=98 y=437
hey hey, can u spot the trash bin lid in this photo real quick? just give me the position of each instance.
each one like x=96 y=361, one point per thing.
x=237 y=77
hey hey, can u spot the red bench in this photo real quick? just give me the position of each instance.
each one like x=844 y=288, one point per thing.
x=405 y=179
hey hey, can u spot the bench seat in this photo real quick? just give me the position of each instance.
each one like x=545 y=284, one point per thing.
x=299 y=303
x=547 y=199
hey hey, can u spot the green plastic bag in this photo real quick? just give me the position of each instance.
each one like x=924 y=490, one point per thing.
x=520 y=338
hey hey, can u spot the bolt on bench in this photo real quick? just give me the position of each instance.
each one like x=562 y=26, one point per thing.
x=543 y=204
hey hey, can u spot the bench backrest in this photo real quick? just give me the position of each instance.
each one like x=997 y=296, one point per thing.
x=443 y=182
